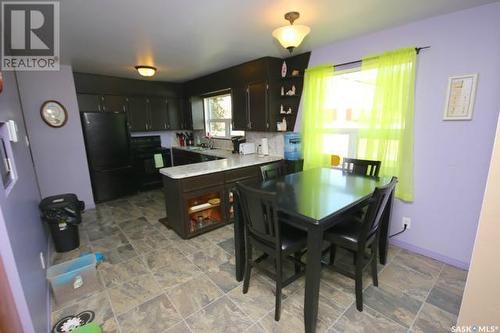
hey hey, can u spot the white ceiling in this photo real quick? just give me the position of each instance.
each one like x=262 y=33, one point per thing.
x=188 y=38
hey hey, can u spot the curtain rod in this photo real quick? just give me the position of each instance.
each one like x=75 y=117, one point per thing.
x=417 y=49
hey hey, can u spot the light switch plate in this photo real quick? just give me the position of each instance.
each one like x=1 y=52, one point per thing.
x=42 y=260
x=12 y=129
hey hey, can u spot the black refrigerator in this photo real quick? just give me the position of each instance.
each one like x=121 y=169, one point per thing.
x=107 y=142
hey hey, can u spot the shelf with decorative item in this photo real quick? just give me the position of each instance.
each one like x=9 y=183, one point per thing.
x=202 y=207
x=204 y=211
x=287 y=109
x=291 y=77
x=197 y=227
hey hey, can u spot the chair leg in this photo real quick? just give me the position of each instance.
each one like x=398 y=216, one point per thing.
x=374 y=264
x=354 y=258
x=359 y=282
x=297 y=267
x=248 y=269
x=279 y=281
x=333 y=250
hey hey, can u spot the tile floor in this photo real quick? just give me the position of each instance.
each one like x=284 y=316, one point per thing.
x=153 y=281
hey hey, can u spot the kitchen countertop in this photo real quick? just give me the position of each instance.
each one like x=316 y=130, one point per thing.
x=230 y=161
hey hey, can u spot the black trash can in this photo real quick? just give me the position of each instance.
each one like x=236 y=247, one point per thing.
x=63 y=214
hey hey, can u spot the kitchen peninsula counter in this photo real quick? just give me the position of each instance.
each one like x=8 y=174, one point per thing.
x=229 y=161
x=199 y=197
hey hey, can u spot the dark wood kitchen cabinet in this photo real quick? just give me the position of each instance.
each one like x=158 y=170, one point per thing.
x=137 y=113
x=158 y=114
x=255 y=90
x=114 y=103
x=257 y=106
x=250 y=84
x=150 y=106
x=251 y=107
x=89 y=102
x=174 y=114
x=101 y=103
x=152 y=114
x=239 y=108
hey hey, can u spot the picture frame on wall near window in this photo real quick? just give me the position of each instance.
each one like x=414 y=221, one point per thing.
x=460 y=97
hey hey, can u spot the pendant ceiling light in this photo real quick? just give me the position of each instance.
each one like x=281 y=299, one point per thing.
x=291 y=36
x=146 y=70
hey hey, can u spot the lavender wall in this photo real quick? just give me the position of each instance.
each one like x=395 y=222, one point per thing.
x=451 y=158
x=22 y=236
x=58 y=153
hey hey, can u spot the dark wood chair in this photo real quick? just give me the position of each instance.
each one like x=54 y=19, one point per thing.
x=359 y=235
x=361 y=167
x=265 y=231
x=273 y=170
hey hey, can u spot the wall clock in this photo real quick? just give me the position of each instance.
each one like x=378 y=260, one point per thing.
x=54 y=114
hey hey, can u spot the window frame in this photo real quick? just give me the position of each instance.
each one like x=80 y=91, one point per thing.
x=351 y=132
x=227 y=121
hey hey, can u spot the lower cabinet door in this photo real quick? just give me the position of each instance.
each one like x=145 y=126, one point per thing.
x=113 y=183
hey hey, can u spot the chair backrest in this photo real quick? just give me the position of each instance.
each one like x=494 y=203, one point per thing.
x=376 y=207
x=260 y=214
x=361 y=167
x=273 y=170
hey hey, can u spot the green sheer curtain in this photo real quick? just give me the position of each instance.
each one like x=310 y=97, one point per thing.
x=386 y=130
x=316 y=81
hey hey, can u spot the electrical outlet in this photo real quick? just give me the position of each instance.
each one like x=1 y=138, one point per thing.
x=42 y=260
x=407 y=221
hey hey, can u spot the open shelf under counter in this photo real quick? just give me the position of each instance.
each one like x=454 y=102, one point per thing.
x=201 y=208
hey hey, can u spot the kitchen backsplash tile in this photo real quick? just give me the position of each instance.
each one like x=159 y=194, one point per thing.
x=276 y=141
x=218 y=143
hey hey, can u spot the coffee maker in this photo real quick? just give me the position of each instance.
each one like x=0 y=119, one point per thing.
x=237 y=140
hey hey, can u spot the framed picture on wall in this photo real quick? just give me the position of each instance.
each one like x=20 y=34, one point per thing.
x=460 y=97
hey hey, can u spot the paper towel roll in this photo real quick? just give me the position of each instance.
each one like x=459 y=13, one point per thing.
x=265 y=146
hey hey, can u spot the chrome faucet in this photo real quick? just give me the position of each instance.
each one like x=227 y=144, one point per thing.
x=209 y=142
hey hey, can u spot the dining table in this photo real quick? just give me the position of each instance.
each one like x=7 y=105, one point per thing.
x=315 y=200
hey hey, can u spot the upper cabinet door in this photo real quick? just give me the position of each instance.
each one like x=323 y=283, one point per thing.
x=197 y=116
x=89 y=102
x=137 y=114
x=114 y=103
x=186 y=114
x=239 y=108
x=174 y=113
x=257 y=106
x=158 y=111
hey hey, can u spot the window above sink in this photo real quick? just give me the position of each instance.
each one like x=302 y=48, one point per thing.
x=218 y=110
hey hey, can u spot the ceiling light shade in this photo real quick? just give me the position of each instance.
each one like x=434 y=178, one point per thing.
x=146 y=70
x=291 y=36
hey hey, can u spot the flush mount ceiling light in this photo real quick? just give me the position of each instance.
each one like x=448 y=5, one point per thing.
x=291 y=36
x=146 y=70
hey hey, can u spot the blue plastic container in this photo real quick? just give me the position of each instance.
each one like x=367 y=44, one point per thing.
x=73 y=279
x=292 y=146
